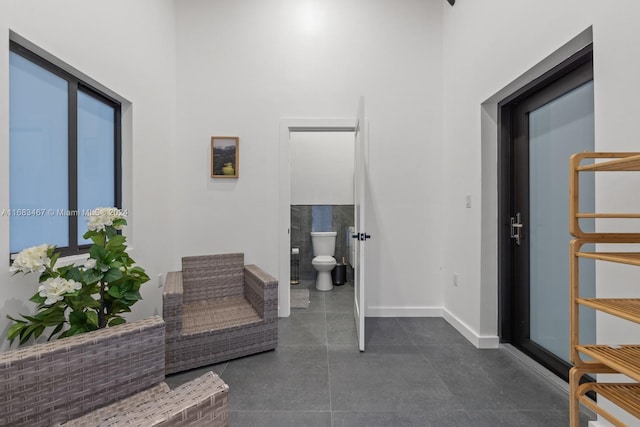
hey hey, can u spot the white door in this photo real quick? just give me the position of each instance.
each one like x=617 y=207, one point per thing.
x=360 y=166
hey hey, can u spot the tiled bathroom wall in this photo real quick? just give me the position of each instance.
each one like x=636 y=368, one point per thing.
x=308 y=218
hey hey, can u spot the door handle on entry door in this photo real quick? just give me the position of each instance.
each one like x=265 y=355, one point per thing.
x=361 y=236
x=516 y=226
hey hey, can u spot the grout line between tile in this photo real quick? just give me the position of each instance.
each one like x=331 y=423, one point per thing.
x=326 y=330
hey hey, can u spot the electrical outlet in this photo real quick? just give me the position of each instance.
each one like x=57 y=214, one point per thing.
x=468 y=201
x=160 y=280
x=455 y=279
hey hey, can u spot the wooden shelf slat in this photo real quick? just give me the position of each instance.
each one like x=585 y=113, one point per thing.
x=624 y=395
x=608 y=215
x=630 y=164
x=625 y=308
x=623 y=359
x=631 y=258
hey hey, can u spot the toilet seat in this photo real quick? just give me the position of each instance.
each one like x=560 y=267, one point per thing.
x=324 y=260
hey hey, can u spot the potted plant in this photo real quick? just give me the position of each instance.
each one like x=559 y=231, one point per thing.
x=74 y=299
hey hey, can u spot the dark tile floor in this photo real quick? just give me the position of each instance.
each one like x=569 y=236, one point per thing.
x=414 y=372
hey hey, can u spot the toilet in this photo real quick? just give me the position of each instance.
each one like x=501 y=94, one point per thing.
x=324 y=247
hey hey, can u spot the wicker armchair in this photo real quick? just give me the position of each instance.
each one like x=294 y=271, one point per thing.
x=218 y=309
x=109 y=377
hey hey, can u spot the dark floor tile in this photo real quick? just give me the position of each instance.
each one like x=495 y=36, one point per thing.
x=341 y=329
x=467 y=356
x=431 y=330
x=339 y=299
x=290 y=378
x=175 y=380
x=385 y=331
x=302 y=329
x=527 y=390
x=384 y=382
x=279 y=419
x=523 y=418
x=316 y=301
x=414 y=372
x=446 y=353
x=401 y=419
x=474 y=389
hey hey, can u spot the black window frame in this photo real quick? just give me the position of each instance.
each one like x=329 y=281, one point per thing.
x=76 y=85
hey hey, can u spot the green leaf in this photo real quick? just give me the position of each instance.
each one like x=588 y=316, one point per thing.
x=73 y=330
x=37 y=299
x=92 y=276
x=38 y=331
x=119 y=222
x=111 y=231
x=132 y=296
x=112 y=275
x=14 y=331
x=55 y=331
x=97 y=252
x=97 y=237
x=116 y=242
x=117 y=321
x=74 y=274
x=26 y=333
x=92 y=318
x=86 y=301
x=15 y=320
x=54 y=317
x=120 y=306
x=54 y=259
x=114 y=291
x=77 y=318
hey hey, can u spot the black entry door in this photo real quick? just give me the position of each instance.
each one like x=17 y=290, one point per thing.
x=541 y=128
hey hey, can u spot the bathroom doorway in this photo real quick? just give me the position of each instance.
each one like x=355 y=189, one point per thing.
x=359 y=126
x=322 y=168
x=308 y=135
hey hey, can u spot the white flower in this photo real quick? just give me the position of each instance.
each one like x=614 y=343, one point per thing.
x=99 y=218
x=54 y=288
x=31 y=260
x=91 y=263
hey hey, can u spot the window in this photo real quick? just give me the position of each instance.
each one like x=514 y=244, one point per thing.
x=64 y=154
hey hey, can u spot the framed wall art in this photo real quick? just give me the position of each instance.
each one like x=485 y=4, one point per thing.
x=225 y=152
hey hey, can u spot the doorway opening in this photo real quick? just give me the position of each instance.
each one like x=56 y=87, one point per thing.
x=322 y=173
x=302 y=130
x=540 y=126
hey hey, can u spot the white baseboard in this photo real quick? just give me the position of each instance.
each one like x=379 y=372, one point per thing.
x=391 y=311
x=480 y=341
x=598 y=424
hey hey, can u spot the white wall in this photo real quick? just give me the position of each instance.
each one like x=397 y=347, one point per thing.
x=487 y=45
x=129 y=48
x=242 y=66
x=321 y=168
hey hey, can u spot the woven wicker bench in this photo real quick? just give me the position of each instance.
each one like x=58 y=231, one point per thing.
x=110 y=377
x=217 y=309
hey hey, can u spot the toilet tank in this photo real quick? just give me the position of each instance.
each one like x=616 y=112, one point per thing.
x=324 y=243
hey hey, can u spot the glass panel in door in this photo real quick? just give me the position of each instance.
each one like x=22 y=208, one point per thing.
x=556 y=130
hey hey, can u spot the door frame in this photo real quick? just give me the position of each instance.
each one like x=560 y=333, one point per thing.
x=287 y=126
x=507 y=303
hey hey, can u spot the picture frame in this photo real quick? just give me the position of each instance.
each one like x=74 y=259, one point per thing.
x=225 y=156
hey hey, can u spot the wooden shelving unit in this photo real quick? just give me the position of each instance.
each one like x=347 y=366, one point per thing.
x=623 y=359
